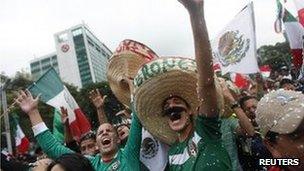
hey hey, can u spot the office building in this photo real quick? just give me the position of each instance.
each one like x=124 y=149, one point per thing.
x=81 y=57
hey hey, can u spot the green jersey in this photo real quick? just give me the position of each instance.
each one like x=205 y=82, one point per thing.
x=125 y=159
x=201 y=151
x=228 y=129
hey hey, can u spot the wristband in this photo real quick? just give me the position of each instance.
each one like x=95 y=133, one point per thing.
x=234 y=105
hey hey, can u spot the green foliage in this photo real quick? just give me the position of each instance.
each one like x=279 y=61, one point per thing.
x=275 y=56
x=112 y=105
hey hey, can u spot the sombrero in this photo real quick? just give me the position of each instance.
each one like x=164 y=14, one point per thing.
x=124 y=64
x=155 y=82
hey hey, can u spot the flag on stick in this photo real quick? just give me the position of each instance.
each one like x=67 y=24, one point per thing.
x=300 y=8
x=235 y=46
x=295 y=32
x=55 y=94
x=21 y=141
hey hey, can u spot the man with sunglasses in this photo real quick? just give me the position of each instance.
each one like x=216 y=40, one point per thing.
x=280 y=115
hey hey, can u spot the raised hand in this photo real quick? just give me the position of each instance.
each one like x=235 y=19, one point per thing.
x=26 y=101
x=97 y=98
x=192 y=4
x=226 y=92
x=64 y=115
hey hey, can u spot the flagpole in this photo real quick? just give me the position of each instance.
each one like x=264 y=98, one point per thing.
x=254 y=29
x=6 y=117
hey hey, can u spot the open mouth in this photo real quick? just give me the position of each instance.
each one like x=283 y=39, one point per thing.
x=175 y=116
x=106 y=141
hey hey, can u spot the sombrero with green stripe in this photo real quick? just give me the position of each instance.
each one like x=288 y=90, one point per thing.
x=155 y=82
x=124 y=64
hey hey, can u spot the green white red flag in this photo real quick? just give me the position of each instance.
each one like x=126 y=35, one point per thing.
x=21 y=141
x=300 y=8
x=234 y=48
x=55 y=94
x=295 y=32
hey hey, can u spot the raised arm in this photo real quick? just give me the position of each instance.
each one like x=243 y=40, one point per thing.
x=203 y=56
x=98 y=100
x=64 y=120
x=51 y=146
x=246 y=127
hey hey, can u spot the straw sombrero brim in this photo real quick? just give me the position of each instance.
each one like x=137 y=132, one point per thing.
x=150 y=97
x=124 y=64
x=175 y=77
x=120 y=68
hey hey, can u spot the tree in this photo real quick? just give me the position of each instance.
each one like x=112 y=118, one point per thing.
x=275 y=56
x=112 y=105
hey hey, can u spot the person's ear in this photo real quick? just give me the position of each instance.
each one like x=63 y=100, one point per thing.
x=272 y=149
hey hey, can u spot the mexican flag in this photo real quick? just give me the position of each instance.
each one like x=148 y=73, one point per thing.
x=21 y=141
x=300 y=8
x=240 y=80
x=58 y=127
x=235 y=46
x=295 y=32
x=265 y=70
x=55 y=94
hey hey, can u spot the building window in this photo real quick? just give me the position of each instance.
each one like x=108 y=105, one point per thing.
x=62 y=37
x=35 y=64
x=77 y=32
x=47 y=60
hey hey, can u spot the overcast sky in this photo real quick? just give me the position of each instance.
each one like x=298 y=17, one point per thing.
x=27 y=26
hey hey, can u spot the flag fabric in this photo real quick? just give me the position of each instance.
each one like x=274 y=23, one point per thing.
x=58 y=127
x=300 y=8
x=265 y=70
x=21 y=141
x=240 y=80
x=55 y=94
x=235 y=46
x=295 y=32
x=153 y=153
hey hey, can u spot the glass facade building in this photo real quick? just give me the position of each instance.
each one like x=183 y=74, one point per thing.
x=41 y=65
x=81 y=57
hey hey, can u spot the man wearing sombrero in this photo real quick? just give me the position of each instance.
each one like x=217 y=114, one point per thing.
x=169 y=92
x=123 y=66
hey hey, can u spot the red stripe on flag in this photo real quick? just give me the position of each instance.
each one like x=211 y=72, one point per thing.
x=24 y=146
x=301 y=16
x=297 y=59
x=241 y=81
x=80 y=126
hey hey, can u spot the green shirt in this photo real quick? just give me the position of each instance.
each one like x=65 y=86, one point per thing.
x=228 y=129
x=125 y=159
x=201 y=151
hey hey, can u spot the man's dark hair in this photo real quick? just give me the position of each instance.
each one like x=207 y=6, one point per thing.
x=72 y=162
x=244 y=99
x=89 y=135
x=272 y=137
x=285 y=81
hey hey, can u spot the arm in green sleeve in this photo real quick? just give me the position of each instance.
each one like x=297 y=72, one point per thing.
x=51 y=146
x=134 y=140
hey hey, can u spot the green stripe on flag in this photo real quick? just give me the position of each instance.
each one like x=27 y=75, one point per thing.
x=288 y=17
x=48 y=85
